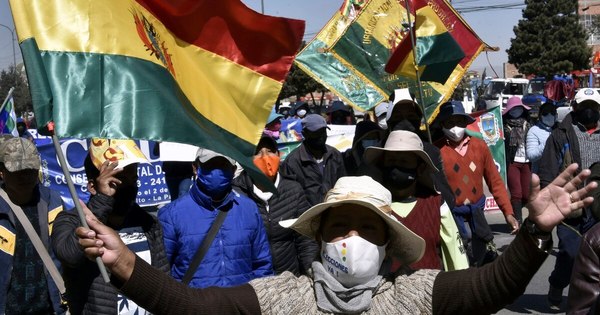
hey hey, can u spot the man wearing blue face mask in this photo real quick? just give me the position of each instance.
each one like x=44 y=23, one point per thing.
x=239 y=252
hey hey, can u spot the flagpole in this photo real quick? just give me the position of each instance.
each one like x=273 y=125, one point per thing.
x=63 y=164
x=7 y=97
x=413 y=43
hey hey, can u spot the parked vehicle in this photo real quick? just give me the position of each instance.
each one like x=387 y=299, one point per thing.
x=534 y=96
x=498 y=91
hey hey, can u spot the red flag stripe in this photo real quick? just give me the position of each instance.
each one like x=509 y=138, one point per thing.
x=234 y=31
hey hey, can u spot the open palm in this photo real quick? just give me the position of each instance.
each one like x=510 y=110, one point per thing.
x=549 y=206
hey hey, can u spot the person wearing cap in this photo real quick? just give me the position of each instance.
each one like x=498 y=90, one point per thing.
x=301 y=109
x=340 y=114
x=356 y=233
x=405 y=169
x=405 y=114
x=22 y=129
x=291 y=251
x=239 y=251
x=316 y=165
x=515 y=119
x=381 y=114
x=538 y=134
x=26 y=287
x=575 y=140
x=467 y=162
x=366 y=134
x=273 y=125
x=112 y=184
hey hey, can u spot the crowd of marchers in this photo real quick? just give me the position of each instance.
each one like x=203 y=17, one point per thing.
x=393 y=225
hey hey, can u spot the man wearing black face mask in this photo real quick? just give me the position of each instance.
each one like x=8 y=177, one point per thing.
x=405 y=169
x=575 y=140
x=405 y=114
x=113 y=191
x=316 y=165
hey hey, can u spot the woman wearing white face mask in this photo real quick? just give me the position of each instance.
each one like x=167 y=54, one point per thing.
x=355 y=232
x=467 y=161
x=539 y=133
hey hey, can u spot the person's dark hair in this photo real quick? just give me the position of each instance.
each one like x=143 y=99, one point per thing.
x=90 y=169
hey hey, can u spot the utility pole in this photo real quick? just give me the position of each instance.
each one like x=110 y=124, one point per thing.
x=12 y=43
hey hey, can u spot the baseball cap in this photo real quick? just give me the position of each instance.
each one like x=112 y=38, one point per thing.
x=587 y=94
x=204 y=155
x=314 y=122
x=19 y=154
x=453 y=108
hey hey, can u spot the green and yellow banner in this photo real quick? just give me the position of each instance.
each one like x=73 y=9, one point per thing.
x=350 y=53
x=191 y=71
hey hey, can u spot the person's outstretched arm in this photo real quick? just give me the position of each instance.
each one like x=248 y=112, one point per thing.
x=487 y=289
x=154 y=290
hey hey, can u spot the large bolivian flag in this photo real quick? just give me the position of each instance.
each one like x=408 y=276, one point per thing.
x=350 y=53
x=191 y=71
x=436 y=52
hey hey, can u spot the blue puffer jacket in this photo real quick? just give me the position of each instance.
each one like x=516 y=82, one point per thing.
x=240 y=251
x=49 y=205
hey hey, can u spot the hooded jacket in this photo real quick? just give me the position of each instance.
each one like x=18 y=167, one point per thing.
x=239 y=251
x=290 y=251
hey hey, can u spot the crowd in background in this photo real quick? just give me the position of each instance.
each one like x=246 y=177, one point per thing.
x=225 y=228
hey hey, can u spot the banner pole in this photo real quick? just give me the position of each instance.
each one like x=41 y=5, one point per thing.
x=420 y=87
x=75 y=197
x=7 y=97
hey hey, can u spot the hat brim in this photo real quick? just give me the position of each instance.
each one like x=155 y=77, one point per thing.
x=403 y=243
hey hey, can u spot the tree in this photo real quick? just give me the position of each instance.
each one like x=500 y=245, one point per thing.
x=14 y=78
x=298 y=83
x=549 y=39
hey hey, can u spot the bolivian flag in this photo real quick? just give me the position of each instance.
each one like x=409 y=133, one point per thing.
x=350 y=53
x=437 y=51
x=190 y=71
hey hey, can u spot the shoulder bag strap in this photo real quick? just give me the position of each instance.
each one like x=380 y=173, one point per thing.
x=206 y=242
x=37 y=243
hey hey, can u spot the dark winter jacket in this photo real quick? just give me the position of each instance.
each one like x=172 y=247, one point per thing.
x=290 y=251
x=49 y=206
x=316 y=183
x=238 y=253
x=86 y=291
x=562 y=148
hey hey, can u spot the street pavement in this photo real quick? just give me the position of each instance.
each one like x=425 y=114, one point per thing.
x=534 y=300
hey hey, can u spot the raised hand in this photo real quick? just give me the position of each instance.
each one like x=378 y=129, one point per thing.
x=107 y=182
x=549 y=206
x=101 y=241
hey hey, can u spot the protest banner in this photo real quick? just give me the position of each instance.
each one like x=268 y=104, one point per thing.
x=152 y=189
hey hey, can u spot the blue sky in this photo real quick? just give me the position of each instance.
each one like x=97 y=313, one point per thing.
x=495 y=27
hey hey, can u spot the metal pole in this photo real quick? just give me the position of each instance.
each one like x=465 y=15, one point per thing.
x=262 y=6
x=413 y=42
x=12 y=35
x=75 y=197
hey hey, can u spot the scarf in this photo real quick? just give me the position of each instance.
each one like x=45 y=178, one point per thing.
x=516 y=128
x=333 y=297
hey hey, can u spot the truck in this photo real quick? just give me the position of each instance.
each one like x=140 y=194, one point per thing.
x=498 y=91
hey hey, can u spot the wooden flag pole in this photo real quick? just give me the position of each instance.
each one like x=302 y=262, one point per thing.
x=74 y=196
x=420 y=87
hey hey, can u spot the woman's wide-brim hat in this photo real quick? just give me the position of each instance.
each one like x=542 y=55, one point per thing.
x=364 y=192
x=400 y=142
